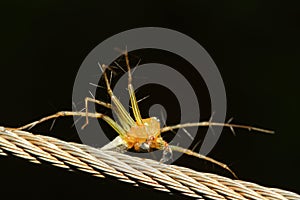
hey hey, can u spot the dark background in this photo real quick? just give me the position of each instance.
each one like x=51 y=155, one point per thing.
x=255 y=45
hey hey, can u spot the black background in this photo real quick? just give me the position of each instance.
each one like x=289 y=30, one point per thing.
x=255 y=45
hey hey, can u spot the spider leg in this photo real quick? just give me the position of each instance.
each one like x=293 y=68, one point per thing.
x=124 y=117
x=191 y=153
x=134 y=104
x=208 y=123
x=87 y=100
x=106 y=118
x=67 y=113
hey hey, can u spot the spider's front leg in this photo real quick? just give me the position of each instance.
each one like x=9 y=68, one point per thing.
x=70 y=113
x=106 y=118
x=59 y=114
x=87 y=100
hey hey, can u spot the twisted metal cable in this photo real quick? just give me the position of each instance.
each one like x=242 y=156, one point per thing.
x=133 y=170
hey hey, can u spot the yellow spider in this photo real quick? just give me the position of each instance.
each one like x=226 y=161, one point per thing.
x=139 y=134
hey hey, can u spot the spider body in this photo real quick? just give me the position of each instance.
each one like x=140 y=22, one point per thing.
x=146 y=136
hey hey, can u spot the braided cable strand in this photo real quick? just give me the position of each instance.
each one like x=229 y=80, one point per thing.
x=132 y=170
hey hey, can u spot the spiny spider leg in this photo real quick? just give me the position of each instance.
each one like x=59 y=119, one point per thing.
x=208 y=123
x=192 y=153
x=123 y=116
x=87 y=100
x=136 y=110
x=106 y=118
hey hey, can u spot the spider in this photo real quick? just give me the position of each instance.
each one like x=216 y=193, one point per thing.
x=137 y=133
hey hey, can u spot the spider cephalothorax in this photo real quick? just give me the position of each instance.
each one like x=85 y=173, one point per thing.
x=144 y=134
